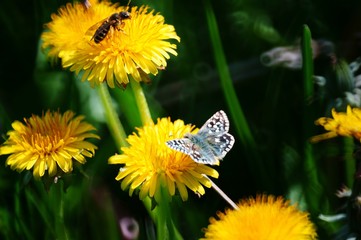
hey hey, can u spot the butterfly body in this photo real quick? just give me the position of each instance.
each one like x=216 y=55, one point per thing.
x=210 y=144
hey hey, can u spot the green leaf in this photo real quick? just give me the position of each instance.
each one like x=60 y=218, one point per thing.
x=238 y=117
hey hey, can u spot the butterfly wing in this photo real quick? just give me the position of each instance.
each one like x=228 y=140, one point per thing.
x=215 y=134
x=215 y=125
x=183 y=145
x=203 y=158
x=210 y=144
x=198 y=153
x=221 y=145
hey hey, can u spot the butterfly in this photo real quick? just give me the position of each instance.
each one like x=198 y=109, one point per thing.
x=210 y=144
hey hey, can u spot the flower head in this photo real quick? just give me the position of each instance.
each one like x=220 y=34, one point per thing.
x=149 y=165
x=265 y=217
x=48 y=142
x=342 y=124
x=138 y=46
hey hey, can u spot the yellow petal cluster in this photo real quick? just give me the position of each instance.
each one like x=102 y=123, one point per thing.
x=48 y=142
x=342 y=124
x=264 y=217
x=139 y=48
x=149 y=165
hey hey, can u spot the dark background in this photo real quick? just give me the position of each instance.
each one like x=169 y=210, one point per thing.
x=188 y=89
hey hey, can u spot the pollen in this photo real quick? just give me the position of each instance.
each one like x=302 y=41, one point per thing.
x=48 y=143
x=141 y=47
x=148 y=164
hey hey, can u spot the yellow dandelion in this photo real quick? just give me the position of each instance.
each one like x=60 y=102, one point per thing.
x=140 y=47
x=47 y=142
x=265 y=217
x=149 y=164
x=342 y=124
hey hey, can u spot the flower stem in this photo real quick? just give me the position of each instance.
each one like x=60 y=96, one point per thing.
x=113 y=122
x=161 y=215
x=61 y=215
x=61 y=230
x=148 y=206
x=141 y=102
x=223 y=195
x=165 y=225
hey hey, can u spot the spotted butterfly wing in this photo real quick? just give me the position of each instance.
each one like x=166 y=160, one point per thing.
x=221 y=144
x=216 y=131
x=183 y=145
x=187 y=145
x=210 y=144
x=202 y=158
x=215 y=125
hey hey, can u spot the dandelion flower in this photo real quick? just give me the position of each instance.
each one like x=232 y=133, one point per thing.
x=139 y=48
x=265 y=217
x=342 y=124
x=48 y=142
x=149 y=164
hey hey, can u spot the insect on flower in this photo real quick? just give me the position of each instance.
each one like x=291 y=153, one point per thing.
x=105 y=26
x=210 y=144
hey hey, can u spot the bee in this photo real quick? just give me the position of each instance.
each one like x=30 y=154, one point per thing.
x=103 y=27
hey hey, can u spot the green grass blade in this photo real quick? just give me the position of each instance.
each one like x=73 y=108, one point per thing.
x=307 y=63
x=241 y=124
x=239 y=119
x=312 y=186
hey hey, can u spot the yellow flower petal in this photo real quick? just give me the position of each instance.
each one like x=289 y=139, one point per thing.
x=142 y=44
x=265 y=217
x=149 y=165
x=342 y=124
x=47 y=142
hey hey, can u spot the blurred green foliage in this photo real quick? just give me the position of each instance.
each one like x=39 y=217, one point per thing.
x=272 y=100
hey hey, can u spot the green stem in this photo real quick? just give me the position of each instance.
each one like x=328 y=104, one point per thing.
x=61 y=215
x=141 y=102
x=148 y=206
x=61 y=230
x=312 y=188
x=165 y=225
x=350 y=167
x=161 y=215
x=307 y=63
x=113 y=122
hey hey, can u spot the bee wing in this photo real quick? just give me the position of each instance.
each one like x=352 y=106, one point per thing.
x=89 y=34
